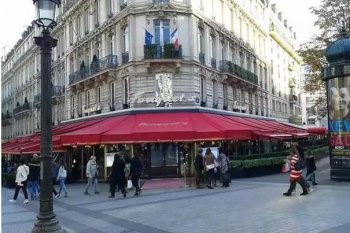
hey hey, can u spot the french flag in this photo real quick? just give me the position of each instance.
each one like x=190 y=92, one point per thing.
x=175 y=39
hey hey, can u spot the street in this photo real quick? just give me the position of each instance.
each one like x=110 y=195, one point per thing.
x=248 y=205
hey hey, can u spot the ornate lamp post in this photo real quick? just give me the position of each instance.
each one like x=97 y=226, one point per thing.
x=46 y=219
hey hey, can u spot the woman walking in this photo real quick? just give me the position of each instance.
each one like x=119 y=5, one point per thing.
x=209 y=166
x=296 y=173
x=311 y=168
x=135 y=173
x=61 y=177
x=92 y=175
x=21 y=181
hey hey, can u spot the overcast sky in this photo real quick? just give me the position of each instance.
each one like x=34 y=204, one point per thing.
x=16 y=15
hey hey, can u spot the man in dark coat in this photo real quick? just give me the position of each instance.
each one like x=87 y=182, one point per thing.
x=34 y=176
x=117 y=176
x=198 y=164
x=136 y=169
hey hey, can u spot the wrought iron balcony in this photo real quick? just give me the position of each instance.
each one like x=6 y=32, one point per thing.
x=155 y=51
x=37 y=100
x=108 y=62
x=231 y=68
x=6 y=118
x=160 y=1
x=22 y=108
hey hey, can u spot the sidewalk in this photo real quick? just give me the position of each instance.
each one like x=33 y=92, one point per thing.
x=254 y=205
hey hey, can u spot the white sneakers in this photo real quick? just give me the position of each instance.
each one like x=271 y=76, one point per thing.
x=26 y=201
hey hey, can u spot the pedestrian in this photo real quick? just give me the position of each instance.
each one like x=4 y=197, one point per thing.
x=33 y=177
x=311 y=168
x=117 y=176
x=92 y=175
x=127 y=161
x=198 y=165
x=217 y=171
x=54 y=177
x=296 y=173
x=208 y=162
x=223 y=169
x=21 y=181
x=61 y=177
x=136 y=169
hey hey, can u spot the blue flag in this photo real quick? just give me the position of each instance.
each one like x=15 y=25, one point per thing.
x=148 y=38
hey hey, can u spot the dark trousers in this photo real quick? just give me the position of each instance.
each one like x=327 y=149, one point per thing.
x=301 y=181
x=113 y=184
x=210 y=176
x=198 y=177
x=24 y=189
x=135 y=182
x=53 y=186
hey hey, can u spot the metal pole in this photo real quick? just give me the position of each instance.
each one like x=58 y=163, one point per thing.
x=46 y=219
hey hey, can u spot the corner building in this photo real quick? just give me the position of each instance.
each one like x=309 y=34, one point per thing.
x=115 y=55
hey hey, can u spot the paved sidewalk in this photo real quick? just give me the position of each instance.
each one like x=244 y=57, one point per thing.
x=253 y=205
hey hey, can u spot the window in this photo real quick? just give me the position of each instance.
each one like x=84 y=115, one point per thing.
x=203 y=88
x=80 y=103
x=161 y=31
x=126 y=91
x=200 y=40
x=70 y=32
x=111 y=44
x=215 y=92
x=87 y=99
x=86 y=20
x=96 y=13
x=98 y=95
x=72 y=106
x=110 y=8
x=223 y=51
x=78 y=26
x=112 y=94
x=225 y=94
x=212 y=46
x=126 y=39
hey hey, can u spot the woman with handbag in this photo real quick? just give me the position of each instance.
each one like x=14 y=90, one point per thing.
x=296 y=173
x=61 y=177
x=209 y=167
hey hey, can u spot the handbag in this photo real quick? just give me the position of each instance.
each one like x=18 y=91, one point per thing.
x=129 y=186
x=285 y=167
x=299 y=165
x=210 y=166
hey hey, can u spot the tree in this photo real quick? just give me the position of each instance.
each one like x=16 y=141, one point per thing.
x=331 y=17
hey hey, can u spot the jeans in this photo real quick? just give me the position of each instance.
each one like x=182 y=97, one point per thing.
x=91 y=180
x=33 y=187
x=62 y=181
x=210 y=176
x=302 y=182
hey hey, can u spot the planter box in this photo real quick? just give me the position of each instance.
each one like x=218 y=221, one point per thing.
x=255 y=171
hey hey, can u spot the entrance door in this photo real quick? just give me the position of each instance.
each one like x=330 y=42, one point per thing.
x=164 y=160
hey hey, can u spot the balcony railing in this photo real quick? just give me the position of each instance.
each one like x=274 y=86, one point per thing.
x=155 y=51
x=125 y=57
x=105 y=63
x=25 y=107
x=160 y=1
x=231 y=68
x=37 y=100
x=6 y=118
x=213 y=63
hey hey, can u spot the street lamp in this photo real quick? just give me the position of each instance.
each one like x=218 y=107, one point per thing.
x=46 y=219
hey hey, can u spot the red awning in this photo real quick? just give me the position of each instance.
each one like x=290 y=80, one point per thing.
x=34 y=147
x=279 y=136
x=317 y=130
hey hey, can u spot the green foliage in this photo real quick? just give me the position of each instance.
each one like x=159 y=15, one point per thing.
x=257 y=162
x=330 y=18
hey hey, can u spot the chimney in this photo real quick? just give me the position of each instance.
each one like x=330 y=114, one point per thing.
x=290 y=29
x=273 y=7
x=285 y=23
x=280 y=16
x=295 y=35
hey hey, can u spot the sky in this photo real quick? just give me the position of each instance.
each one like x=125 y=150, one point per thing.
x=299 y=17
x=16 y=15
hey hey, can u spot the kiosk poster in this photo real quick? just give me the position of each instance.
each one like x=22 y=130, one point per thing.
x=339 y=116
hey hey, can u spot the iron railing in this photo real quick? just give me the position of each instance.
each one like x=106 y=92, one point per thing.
x=125 y=57
x=105 y=63
x=167 y=51
x=231 y=68
x=25 y=107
